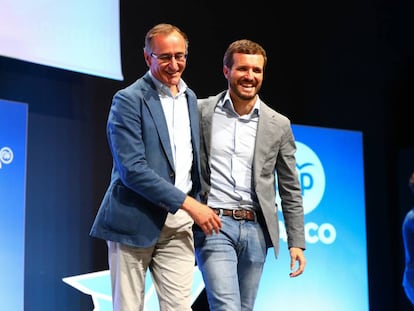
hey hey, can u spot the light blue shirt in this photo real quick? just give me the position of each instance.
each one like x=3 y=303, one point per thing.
x=233 y=141
x=178 y=122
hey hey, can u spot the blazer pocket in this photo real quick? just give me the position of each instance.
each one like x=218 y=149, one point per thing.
x=129 y=214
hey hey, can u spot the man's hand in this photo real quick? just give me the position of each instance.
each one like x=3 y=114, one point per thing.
x=202 y=215
x=296 y=255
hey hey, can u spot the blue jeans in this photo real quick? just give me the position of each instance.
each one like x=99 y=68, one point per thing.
x=231 y=264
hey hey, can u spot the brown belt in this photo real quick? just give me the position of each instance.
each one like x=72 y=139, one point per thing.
x=238 y=214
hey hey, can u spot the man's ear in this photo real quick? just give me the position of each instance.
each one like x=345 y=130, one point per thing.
x=147 y=58
x=226 y=71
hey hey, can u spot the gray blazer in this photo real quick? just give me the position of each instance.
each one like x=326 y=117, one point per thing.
x=274 y=151
x=142 y=192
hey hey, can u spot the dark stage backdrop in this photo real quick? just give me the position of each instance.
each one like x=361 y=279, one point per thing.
x=345 y=64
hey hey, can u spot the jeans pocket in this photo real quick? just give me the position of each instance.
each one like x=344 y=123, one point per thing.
x=199 y=236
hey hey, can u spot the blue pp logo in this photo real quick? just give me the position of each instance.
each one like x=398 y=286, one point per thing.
x=311 y=177
x=313 y=182
x=6 y=156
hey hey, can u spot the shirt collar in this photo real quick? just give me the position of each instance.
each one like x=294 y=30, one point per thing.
x=227 y=104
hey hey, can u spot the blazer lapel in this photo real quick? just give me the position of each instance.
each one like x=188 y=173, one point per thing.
x=207 y=111
x=154 y=106
x=266 y=132
x=193 y=115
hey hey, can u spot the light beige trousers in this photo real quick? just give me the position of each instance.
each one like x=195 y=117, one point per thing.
x=171 y=264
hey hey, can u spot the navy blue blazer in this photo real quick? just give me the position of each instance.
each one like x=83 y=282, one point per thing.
x=141 y=192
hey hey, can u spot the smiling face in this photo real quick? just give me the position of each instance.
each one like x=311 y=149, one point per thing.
x=165 y=60
x=245 y=77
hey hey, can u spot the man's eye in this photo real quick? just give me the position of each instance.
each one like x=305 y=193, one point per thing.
x=164 y=57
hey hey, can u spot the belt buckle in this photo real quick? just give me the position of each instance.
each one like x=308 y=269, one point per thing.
x=237 y=217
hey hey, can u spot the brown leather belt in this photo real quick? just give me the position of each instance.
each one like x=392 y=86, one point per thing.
x=238 y=214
